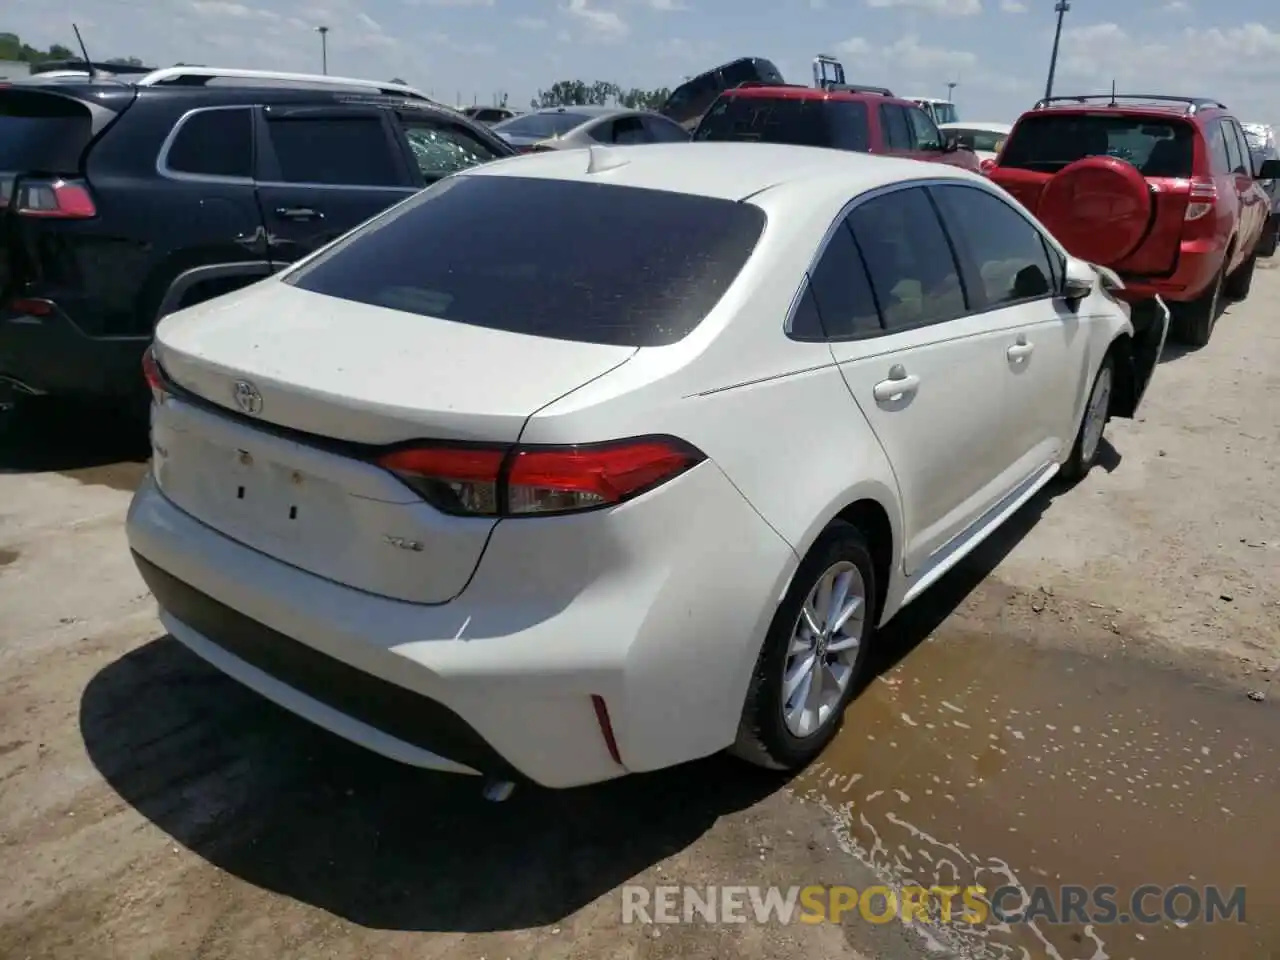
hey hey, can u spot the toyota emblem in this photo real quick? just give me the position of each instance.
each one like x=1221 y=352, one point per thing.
x=247 y=397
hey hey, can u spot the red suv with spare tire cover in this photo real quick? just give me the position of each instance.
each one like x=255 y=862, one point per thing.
x=1160 y=189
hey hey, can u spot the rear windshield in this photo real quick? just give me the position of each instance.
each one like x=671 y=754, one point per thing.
x=1048 y=142
x=541 y=124
x=42 y=132
x=803 y=122
x=590 y=262
x=982 y=139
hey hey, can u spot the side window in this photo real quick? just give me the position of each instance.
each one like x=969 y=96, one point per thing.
x=894 y=128
x=848 y=125
x=214 y=143
x=913 y=271
x=629 y=130
x=1242 y=145
x=842 y=291
x=924 y=131
x=662 y=130
x=1217 y=138
x=441 y=149
x=806 y=323
x=1007 y=251
x=343 y=151
x=1234 y=160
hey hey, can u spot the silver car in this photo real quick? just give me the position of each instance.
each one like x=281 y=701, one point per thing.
x=563 y=128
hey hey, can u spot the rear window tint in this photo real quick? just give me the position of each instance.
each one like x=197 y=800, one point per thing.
x=588 y=262
x=1048 y=142
x=42 y=132
x=804 y=122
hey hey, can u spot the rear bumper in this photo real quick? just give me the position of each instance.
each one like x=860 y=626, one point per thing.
x=50 y=355
x=1198 y=265
x=500 y=681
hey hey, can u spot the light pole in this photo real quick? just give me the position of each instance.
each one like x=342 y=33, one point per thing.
x=1061 y=7
x=324 y=49
x=951 y=87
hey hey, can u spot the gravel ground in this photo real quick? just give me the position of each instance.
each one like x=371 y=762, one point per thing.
x=151 y=808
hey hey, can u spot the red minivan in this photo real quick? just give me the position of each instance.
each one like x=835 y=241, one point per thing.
x=1162 y=190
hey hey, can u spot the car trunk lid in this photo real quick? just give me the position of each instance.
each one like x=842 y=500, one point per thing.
x=293 y=395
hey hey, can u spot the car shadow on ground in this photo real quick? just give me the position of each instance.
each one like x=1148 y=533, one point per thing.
x=60 y=437
x=290 y=808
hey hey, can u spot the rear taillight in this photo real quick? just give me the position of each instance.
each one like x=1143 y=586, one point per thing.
x=476 y=480
x=156 y=378
x=53 y=199
x=1203 y=197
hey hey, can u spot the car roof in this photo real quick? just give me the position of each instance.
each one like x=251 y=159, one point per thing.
x=723 y=170
x=1120 y=105
x=988 y=127
x=586 y=110
x=788 y=91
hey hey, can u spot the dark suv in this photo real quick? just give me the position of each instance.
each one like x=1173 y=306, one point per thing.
x=866 y=119
x=123 y=201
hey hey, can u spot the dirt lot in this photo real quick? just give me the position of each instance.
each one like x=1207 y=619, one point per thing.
x=1088 y=701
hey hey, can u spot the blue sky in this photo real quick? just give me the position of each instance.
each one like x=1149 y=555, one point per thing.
x=998 y=50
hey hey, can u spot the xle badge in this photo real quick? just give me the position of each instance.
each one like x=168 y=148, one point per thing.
x=403 y=543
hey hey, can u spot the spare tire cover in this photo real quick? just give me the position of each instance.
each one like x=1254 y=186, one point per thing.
x=1099 y=208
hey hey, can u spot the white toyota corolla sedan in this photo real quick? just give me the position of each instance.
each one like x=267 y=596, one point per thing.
x=594 y=462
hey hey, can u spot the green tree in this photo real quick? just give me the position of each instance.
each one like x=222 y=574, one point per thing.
x=12 y=48
x=574 y=93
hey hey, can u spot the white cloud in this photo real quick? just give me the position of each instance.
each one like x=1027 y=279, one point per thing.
x=530 y=23
x=1013 y=6
x=452 y=3
x=946 y=8
x=1177 y=6
x=667 y=6
x=598 y=23
x=908 y=61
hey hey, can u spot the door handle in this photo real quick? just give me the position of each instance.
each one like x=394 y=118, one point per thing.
x=899 y=385
x=1020 y=350
x=299 y=213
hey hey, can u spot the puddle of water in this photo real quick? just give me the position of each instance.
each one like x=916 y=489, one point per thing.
x=976 y=761
x=8 y=556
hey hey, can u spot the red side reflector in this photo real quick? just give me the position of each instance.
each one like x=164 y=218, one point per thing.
x=606 y=727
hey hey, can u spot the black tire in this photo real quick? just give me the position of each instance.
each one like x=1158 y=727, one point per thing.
x=1081 y=460
x=1270 y=236
x=1194 y=320
x=763 y=737
x=1237 y=285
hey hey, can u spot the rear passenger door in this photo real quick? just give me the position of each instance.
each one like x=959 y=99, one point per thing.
x=926 y=372
x=1014 y=275
x=322 y=171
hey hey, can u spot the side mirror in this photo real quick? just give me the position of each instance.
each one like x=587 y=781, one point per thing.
x=1270 y=170
x=966 y=141
x=950 y=143
x=1078 y=280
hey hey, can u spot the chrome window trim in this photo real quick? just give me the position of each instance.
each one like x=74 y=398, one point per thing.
x=162 y=158
x=886 y=190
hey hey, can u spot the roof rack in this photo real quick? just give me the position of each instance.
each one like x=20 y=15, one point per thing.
x=859 y=88
x=199 y=76
x=77 y=65
x=1193 y=104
